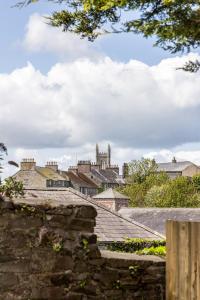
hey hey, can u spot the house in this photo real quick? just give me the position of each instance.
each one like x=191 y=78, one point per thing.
x=87 y=177
x=110 y=226
x=156 y=218
x=35 y=177
x=175 y=168
x=112 y=199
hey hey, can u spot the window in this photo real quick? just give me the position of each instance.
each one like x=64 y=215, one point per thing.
x=57 y=183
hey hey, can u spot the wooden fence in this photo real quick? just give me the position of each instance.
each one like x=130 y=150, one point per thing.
x=183 y=260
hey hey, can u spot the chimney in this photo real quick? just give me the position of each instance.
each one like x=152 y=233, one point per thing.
x=174 y=160
x=125 y=170
x=52 y=165
x=84 y=166
x=28 y=164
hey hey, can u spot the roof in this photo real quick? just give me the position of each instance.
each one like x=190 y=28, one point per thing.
x=109 y=225
x=174 y=167
x=81 y=179
x=107 y=176
x=156 y=218
x=50 y=173
x=110 y=194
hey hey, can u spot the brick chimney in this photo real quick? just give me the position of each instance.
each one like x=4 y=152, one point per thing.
x=84 y=166
x=125 y=170
x=52 y=165
x=28 y=164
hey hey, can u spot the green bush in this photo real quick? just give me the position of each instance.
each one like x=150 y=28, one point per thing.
x=135 y=244
x=158 y=251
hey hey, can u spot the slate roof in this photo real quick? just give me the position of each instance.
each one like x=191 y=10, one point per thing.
x=81 y=179
x=109 y=225
x=156 y=218
x=110 y=194
x=174 y=167
x=107 y=176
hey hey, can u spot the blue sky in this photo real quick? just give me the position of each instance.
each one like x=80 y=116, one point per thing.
x=59 y=95
x=13 y=21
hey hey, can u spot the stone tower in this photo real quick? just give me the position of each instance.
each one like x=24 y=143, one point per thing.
x=103 y=158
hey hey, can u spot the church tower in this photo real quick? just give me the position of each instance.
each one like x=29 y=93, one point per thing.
x=103 y=158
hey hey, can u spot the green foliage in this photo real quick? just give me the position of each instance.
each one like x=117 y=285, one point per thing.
x=85 y=244
x=134 y=244
x=139 y=170
x=11 y=188
x=196 y=182
x=148 y=188
x=159 y=251
x=175 y=23
x=57 y=247
x=179 y=192
x=82 y=283
x=142 y=177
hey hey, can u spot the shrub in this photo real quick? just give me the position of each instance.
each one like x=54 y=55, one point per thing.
x=158 y=251
x=135 y=244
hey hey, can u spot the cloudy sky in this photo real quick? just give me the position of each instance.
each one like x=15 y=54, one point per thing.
x=59 y=95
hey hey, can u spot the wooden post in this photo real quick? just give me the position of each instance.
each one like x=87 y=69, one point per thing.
x=183 y=260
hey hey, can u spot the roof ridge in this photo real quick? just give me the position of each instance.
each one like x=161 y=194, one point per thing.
x=89 y=199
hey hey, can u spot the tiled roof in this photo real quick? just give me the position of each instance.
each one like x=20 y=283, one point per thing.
x=109 y=225
x=174 y=167
x=156 y=218
x=110 y=194
x=49 y=173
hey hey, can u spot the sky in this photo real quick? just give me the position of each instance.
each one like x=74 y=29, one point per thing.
x=60 y=95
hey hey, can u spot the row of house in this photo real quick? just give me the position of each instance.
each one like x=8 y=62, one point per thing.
x=86 y=177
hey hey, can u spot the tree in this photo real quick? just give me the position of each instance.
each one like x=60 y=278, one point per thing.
x=143 y=176
x=179 y=192
x=139 y=170
x=10 y=187
x=175 y=23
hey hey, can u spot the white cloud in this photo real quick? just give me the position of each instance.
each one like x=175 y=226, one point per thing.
x=92 y=98
x=41 y=37
x=130 y=104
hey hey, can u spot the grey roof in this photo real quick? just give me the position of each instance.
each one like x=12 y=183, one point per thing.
x=110 y=194
x=174 y=167
x=108 y=176
x=109 y=225
x=156 y=218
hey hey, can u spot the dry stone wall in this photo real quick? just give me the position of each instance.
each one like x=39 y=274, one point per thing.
x=51 y=253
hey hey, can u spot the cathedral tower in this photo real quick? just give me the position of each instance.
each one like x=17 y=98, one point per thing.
x=103 y=158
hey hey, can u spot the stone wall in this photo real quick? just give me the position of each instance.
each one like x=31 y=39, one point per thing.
x=51 y=253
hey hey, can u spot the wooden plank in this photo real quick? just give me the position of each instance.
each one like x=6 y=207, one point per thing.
x=171 y=259
x=183 y=260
